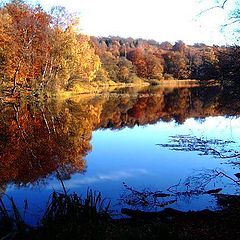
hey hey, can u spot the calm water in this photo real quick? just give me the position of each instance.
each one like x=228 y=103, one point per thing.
x=101 y=141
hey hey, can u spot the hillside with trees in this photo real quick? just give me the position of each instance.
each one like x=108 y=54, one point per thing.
x=42 y=51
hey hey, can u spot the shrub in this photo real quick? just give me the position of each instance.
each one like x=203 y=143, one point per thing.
x=154 y=82
x=168 y=76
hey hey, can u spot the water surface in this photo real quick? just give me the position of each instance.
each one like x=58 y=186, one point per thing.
x=101 y=141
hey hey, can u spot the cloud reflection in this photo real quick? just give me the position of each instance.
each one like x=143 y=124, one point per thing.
x=111 y=176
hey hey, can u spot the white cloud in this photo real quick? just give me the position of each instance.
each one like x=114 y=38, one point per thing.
x=110 y=176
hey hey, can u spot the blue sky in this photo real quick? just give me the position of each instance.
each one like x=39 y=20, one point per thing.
x=162 y=20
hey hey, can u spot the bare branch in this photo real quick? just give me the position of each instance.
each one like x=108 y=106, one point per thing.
x=214 y=147
x=233 y=22
x=223 y=5
x=213 y=7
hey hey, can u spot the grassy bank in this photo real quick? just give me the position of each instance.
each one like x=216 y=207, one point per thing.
x=98 y=88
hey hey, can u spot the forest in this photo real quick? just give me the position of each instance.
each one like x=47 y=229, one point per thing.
x=45 y=51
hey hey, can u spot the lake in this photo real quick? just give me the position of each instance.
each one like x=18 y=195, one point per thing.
x=121 y=143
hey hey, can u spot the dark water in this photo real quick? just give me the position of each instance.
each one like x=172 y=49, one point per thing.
x=101 y=141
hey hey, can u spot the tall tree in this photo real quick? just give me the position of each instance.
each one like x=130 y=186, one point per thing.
x=26 y=29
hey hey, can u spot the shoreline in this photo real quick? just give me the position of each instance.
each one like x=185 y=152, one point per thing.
x=60 y=222
x=99 y=89
x=96 y=88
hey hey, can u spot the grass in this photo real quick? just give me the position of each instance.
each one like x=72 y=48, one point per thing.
x=70 y=216
x=73 y=208
x=66 y=215
x=12 y=225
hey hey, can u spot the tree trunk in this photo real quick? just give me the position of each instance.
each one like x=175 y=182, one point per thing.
x=15 y=78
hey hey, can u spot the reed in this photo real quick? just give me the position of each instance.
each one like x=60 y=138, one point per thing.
x=64 y=207
x=11 y=222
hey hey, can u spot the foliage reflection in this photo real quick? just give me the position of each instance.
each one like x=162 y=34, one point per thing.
x=38 y=139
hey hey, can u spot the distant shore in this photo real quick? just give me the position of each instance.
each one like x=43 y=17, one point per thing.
x=98 y=88
x=92 y=88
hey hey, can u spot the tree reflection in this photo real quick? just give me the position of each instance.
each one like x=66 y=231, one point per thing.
x=38 y=138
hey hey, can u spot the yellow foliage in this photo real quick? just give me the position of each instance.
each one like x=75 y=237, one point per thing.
x=74 y=56
x=89 y=62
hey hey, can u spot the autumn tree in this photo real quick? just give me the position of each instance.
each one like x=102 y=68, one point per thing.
x=179 y=46
x=72 y=56
x=5 y=38
x=176 y=64
x=109 y=64
x=26 y=29
x=209 y=68
x=126 y=69
x=229 y=62
x=155 y=66
x=137 y=57
x=46 y=50
x=166 y=45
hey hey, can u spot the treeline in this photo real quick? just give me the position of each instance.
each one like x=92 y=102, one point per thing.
x=148 y=59
x=40 y=50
